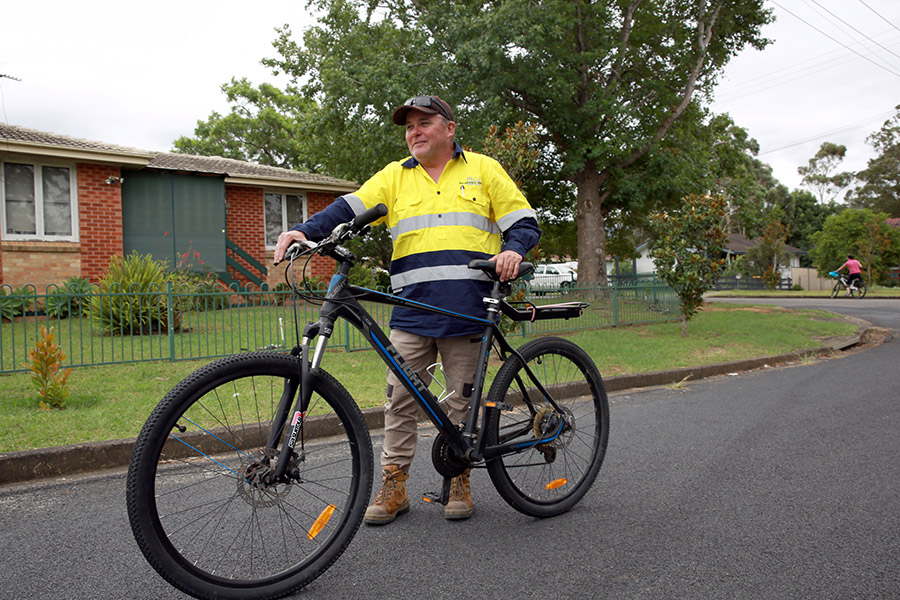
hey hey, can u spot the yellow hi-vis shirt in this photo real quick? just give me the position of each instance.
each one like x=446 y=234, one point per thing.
x=438 y=227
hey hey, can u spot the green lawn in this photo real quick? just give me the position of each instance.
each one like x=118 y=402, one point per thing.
x=111 y=402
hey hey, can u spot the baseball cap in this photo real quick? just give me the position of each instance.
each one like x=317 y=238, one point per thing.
x=427 y=104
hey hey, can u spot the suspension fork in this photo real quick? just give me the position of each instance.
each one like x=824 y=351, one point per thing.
x=309 y=371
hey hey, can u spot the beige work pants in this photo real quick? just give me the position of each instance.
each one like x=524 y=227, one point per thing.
x=459 y=356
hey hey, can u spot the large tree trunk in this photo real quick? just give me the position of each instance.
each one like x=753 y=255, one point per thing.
x=591 y=230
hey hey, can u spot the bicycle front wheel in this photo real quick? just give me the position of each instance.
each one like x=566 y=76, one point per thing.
x=201 y=506
x=549 y=478
x=836 y=289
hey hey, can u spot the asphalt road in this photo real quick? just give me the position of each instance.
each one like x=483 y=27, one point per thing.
x=779 y=483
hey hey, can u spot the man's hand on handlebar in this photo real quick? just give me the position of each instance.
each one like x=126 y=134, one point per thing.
x=285 y=239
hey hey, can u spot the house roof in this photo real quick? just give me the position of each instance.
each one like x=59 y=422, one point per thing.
x=739 y=244
x=22 y=141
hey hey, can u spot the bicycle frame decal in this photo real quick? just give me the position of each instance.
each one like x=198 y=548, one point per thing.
x=412 y=380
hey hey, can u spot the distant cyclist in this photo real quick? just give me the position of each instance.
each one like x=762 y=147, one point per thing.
x=855 y=271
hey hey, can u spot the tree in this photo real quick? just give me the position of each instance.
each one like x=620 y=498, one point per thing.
x=820 y=176
x=881 y=178
x=266 y=126
x=769 y=256
x=862 y=233
x=687 y=249
x=604 y=81
x=803 y=216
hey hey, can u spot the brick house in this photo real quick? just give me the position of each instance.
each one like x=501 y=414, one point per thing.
x=69 y=205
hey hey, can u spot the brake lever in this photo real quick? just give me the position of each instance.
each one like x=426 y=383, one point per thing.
x=297 y=248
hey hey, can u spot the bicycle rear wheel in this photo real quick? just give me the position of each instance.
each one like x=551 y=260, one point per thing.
x=861 y=292
x=199 y=505
x=547 y=479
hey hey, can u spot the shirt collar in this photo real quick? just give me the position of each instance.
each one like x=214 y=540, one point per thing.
x=412 y=163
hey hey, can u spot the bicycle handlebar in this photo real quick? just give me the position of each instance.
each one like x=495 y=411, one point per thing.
x=340 y=233
x=373 y=214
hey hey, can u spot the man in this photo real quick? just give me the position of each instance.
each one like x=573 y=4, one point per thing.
x=854 y=268
x=445 y=208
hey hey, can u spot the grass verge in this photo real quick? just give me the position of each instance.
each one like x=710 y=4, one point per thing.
x=112 y=402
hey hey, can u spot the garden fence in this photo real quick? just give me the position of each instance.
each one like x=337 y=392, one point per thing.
x=180 y=323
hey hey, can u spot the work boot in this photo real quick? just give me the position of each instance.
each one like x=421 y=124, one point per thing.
x=391 y=499
x=460 y=504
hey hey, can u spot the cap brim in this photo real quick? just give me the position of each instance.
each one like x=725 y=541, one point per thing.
x=400 y=113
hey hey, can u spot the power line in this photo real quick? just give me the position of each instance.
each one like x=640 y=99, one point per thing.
x=817 y=136
x=892 y=72
x=879 y=14
x=855 y=29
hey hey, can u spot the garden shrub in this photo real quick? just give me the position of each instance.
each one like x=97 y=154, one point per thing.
x=46 y=371
x=71 y=298
x=15 y=302
x=133 y=297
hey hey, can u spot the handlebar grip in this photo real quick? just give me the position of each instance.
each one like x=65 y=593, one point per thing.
x=373 y=214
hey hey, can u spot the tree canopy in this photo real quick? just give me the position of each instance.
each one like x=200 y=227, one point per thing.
x=604 y=82
x=881 y=178
x=821 y=175
x=864 y=234
x=687 y=250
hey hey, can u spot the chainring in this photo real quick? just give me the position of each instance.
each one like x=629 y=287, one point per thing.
x=446 y=462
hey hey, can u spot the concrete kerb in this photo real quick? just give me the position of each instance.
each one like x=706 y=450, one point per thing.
x=77 y=459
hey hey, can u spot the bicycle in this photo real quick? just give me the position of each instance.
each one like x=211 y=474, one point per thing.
x=252 y=475
x=842 y=283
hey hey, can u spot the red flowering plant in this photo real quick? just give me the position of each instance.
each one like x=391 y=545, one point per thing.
x=197 y=286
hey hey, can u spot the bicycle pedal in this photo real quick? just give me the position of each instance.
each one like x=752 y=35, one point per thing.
x=499 y=405
x=431 y=498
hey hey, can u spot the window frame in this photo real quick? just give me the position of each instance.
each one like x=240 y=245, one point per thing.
x=40 y=235
x=284 y=224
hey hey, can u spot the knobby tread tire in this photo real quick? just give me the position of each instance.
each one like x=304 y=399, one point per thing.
x=149 y=468
x=523 y=479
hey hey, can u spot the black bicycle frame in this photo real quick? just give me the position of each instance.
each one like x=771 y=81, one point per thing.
x=342 y=300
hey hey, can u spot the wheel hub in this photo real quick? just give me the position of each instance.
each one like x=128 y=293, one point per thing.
x=547 y=422
x=254 y=484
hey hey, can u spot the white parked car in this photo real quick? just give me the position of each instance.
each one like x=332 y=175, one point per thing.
x=553 y=278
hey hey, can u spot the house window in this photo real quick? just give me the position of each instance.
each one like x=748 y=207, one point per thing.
x=283 y=211
x=39 y=202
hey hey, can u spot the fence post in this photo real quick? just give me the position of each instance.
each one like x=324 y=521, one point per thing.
x=170 y=318
x=615 y=303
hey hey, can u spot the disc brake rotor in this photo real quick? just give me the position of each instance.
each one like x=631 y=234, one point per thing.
x=252 y=486
x=546 y=422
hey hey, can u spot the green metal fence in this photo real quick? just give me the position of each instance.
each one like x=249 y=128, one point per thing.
x=182 y=323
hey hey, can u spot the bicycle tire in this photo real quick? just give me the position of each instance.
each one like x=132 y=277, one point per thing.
x=195 y=511
x=836 y=289
x=861 y=292
x=544 y=480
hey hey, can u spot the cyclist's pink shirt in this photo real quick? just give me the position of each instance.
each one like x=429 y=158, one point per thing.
x=852 y=265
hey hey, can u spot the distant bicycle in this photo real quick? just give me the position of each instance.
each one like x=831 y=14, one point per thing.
x=854 y=291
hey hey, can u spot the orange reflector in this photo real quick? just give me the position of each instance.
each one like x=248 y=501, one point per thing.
x=556 y=483
x=426 y=499
x=490 y=404
x=321 y=521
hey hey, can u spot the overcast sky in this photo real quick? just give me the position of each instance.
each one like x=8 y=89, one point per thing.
x=143 y=74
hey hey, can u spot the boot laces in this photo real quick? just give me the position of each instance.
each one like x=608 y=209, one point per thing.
x=459 y=487
x=388 y=486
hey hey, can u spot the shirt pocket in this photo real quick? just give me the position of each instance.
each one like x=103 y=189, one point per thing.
x=407 y=206
x=471 y=198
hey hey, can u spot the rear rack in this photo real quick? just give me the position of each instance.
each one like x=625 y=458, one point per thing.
x=563 y=310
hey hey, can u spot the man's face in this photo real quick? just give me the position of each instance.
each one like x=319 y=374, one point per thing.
x=429 y=137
